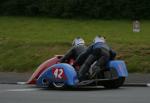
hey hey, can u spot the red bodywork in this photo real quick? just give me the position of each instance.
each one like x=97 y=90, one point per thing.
x=42 y=67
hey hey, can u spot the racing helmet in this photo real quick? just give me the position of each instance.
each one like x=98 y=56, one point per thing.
x=78 y=41
x=99 y=39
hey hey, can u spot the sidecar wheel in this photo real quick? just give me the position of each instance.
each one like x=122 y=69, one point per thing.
x=58 y=84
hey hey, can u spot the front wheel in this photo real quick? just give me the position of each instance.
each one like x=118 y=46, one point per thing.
x=58 y=84
x=113 y=84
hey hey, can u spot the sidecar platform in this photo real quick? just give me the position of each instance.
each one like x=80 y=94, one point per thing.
x=89 y=82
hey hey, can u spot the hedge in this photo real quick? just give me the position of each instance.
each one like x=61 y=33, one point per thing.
x=104 y=9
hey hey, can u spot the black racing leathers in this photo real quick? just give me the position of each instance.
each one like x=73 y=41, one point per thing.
x=99 y=52
x=73 y=53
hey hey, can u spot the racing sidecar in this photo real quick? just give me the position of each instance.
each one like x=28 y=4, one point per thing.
x=51 y=73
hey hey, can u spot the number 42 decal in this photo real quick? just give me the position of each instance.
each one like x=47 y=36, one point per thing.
x=58 y=73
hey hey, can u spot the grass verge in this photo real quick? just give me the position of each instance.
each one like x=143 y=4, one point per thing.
x=25 y=42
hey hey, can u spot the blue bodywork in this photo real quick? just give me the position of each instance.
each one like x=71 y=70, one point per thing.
x=120 y=67
x=70 y=76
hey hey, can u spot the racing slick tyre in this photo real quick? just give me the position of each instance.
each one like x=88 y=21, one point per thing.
x=58 y=84
x=114 y=84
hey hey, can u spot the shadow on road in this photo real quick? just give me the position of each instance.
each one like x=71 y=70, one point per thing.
x=79 y=89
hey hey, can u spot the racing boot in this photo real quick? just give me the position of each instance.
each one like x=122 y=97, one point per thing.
x=95 y=72
x=85 y=67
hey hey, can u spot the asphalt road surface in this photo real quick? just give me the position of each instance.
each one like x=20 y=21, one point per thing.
x=12 y=77
x=11 y=93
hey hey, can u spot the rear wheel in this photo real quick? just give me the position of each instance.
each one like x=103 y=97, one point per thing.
x=113 y=84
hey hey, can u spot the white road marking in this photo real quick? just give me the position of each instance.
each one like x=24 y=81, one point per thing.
x=21 y=83
x=148 y=84
x=22 y=90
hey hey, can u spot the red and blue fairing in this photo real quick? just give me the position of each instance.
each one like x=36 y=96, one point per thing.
x=48 y=63
x=59 y=74
x=62 y=72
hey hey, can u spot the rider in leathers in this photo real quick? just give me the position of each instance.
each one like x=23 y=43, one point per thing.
x=78 y=47
x=99 y=51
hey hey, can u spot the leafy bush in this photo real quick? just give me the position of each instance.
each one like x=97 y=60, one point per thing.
x=105 y=9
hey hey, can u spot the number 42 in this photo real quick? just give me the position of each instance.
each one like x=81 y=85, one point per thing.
x=58 y=73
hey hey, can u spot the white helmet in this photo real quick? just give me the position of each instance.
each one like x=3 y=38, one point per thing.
x=78 y=41
x=99 y=39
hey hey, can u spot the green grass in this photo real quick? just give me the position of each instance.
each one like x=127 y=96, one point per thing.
x=25 y=42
